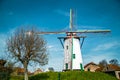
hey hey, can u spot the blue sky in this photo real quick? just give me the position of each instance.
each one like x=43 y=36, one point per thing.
x=53 y=15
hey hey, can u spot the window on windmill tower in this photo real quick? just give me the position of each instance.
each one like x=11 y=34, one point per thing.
x=66 y=65
x=67 y=47
x=73 y=56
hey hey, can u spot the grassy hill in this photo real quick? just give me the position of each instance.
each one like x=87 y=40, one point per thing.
x=71 y=75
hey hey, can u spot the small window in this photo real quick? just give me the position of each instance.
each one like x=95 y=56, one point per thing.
x=66 y=65
x=67 y=47
x=88 y=69
x=73 y=56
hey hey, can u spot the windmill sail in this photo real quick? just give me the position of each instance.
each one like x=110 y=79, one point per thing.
x=71 y=19
x=71 y=29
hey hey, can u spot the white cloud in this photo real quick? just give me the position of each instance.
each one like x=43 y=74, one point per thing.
x=103 y=51
x=97 y=57
x=54 y=48
x=106 y=46
x=2 y=44
x=62 y=12
x=56 y=63
x=3 y=38
x=50 y=46
x=55 y=57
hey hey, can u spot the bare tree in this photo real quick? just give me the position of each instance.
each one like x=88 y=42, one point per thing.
x=26 y=48
x=114 y=62
x=104 y=65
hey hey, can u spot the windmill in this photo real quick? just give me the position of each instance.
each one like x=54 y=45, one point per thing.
x=72 y=45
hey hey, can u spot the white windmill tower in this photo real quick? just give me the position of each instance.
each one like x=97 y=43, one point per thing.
x=72 y=50
x=72 y=46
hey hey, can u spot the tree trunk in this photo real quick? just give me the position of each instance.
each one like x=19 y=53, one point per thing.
x=25 y=75
x=25 y=71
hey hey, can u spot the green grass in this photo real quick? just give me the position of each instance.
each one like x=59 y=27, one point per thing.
x=72 y=75
x=69 y=75
x=16 y=78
